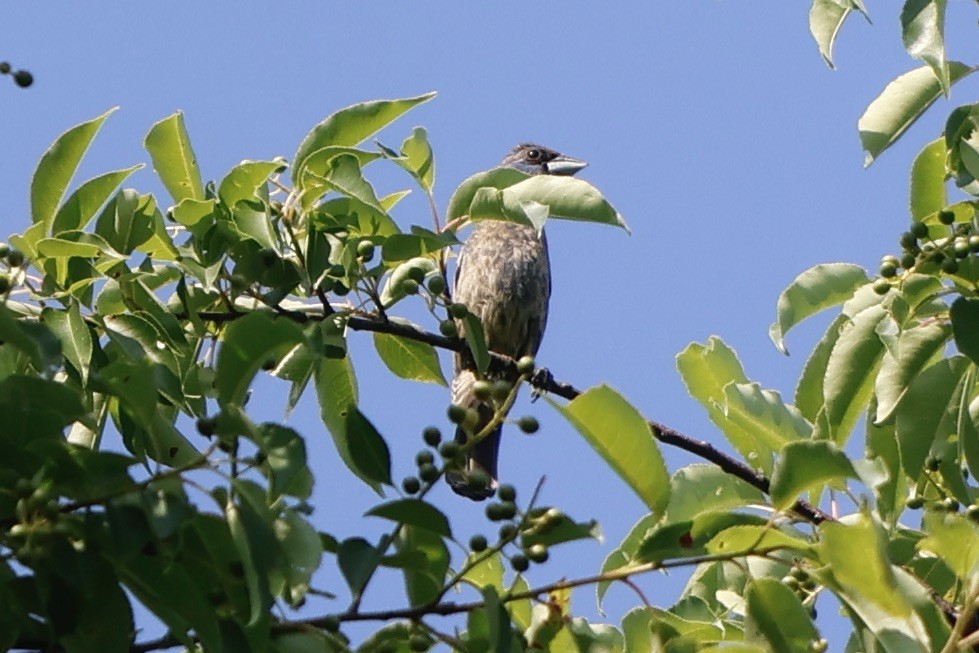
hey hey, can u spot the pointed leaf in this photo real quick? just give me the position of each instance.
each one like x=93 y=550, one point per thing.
x=624 y=439
x=79 y=209
x=414 y=512
x=807 y=465
x=173 y=158
x=57 y=166
x=812 y=291
x=826 y=17
x=901 y=103
x=700 y=488
x=917 y=347
x=928 y=180
x=409 y=359
x=923 y=32
x=242 y=181
x=75 y=337
x=965 y=326
x=776 y=617
x=350 y=126
x=248 y=344
x=462 y=197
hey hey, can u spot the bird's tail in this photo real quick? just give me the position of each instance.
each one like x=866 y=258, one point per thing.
x=483 y=455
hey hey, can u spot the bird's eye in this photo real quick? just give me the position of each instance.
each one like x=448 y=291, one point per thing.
x=533 y=155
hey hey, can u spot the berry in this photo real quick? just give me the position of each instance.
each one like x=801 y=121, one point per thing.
x=23 y=79
x=206 y=426
x=501 y=390
x=449 y=450
x=4 y=67
x=409 y=286
x=4 y=283
x=458 y=311
x=908 y=261
x=482 y=389
x=946 y=217
x=424 y=458
x=950 y=504
x=432 y=436
x=508 y=532
x=950 y=266
x=456 y=413
x=528 y=424
x=818 y=645
x=932 y=463
x=416 y=274
x=508 y=509
x=974 y=243
x=916 y=503
x=888 y=270
x=448 y=328
x=428 y=473
x=972 y=512
x=478 y=543
x=506 y=493
x=337 y=270
x=908 y=240
x=239 y=282
x=331 y=623
x=15 y=258
x=919 y=230
x=538 y=553
x=494 y=512
x=519 y=563
x=411 y=484
x=477 y=480
x=881 y=287
x=436 y=284
x=418 y=643
x=4 y=249
x=340 y=289
x=525 y=365
x=365 y=250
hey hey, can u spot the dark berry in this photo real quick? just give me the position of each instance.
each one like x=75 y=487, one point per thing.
x=528 y=424
x=411 y=485
x=432 y=436
x=538 y=553
x=428 y=473
x=519 y=563
x=507 y=492
x=436 y=284
x=458 y=311
x=448 y=328
x=23 y=79
x=478 y=543
x=946 y=217
x=919 y=230
x=456 y=413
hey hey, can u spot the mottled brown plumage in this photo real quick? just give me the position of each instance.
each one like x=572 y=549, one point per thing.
x=504 y=278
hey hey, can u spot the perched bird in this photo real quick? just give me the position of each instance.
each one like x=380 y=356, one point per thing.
x=504 y=278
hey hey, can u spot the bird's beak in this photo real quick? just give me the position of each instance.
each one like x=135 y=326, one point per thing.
x=564 y=165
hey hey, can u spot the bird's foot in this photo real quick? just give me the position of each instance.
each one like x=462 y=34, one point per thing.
x=539 y=380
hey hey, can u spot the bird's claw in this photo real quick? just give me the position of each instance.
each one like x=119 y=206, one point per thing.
x=539 y=380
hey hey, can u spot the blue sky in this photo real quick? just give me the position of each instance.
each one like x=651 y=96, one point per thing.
x=714 y=127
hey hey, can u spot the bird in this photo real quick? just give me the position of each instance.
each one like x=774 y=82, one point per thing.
x=503 y=277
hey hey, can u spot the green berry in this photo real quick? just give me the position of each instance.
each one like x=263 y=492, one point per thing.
x=972 y=512
x=908 y=240
x=478 y=543
x=449 y=450
x=950 y=266
x=15 y=258
x=340 y=289
x=950 y=504
x=4 y=67
x=418 y=643
x=799 y=574
x=494 y=512
x=456 y=414
x=23 y=79
x=525 y=365
x=507 y=532
x=4 y=250
x=946 y=217
x=919 y=230
x=477 y=479
x=428 y=473
x=528 y=424
x=888 y=270
x=337 y=270
x=507 y=492
x=4 y=283
x=974 y=243
x=508 y=509
x=448 y=328
x=908 y=261
x=436 y=284
x=409 y=286
x=432 y=436
x=206 y=426
x=791 y=583
x=961 y=247
x=365 y=250
x=458 y=311
x=424 y=458
x=916 y=503
x=411 y=484
x=416 y=274
x=818 y=646
x=331 y=623
x=482 y=389
x=519 y=563
x=881 y=287
x=538 y=553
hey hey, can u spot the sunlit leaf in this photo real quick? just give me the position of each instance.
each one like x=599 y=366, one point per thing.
x=805 y=465
x=414 y=512
x=248 y=344
x=82 y=205
x=928 y=194
x=409 y=359
x=173 y=158
x=776 y=617
x=923 y=32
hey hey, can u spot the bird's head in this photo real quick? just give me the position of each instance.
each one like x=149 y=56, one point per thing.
x=539 y=160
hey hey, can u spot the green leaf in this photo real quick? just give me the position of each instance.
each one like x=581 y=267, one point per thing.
x=558 y=531
x=928 y=180
x=35 y=409
x=696 y=489
x=285 y=458
x=336 y=387
x=851 y=372
x=566 y=198
x=243 y=181
x=414 y=512
x=56 y=168
x=425 y=576
x=302 y=549
x=856 y=555
x=476 y=339
x=357 y=559
x=624 y=439
x=75 y=337
x=462 y=197
x=891 y=488
x=409 y=359
x=809 y=397
x=921 y=415
x=776 y=617
x=917 y=347
x=826 y=17
x=754 y=538
x=82 y=205
x=812 y=291
x=625 y=553
x=127 y=221
x=344 y=176
x=366 y=450
x=955 y=539
x=923 y=32
x=706 y=370
x=901 y=103
x=248 y=344
x=419 y=157
x=189 y=212
x=805 y=465
x=965 y=326
x=38 y=344
x=350 y=126
x=764 y=414
x=173 y=158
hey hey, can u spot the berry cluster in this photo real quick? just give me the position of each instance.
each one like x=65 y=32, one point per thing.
x=22 y=78
x=13 y=259
x=922 y=250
